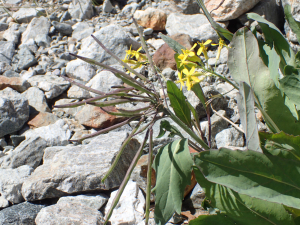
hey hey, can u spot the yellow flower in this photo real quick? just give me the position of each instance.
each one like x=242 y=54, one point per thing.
x=203 y=48
x=180 y=80
x=191 y=77
x=186 y=53
x=221 y=45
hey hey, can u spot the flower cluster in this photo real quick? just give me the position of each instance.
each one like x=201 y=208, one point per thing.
x=135 y=58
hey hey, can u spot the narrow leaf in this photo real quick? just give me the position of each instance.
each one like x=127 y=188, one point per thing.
x=173 y=165
x=294 y=25
x=247 y=116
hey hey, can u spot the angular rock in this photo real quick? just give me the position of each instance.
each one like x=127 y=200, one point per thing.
x=230 y=137
x=7 y=51
x=164 y=56
x=3 y=26
x=197 y=197
x=54 y=134
x=68 y=112
x=227 y=90
x=78 y=93
x=11 y=181
x=42 y=119
x=52 y=85
x=63 y=28
x=82 y=30
x=25 y=15
x=23 y=213
x=107 y=6
x=36 y=99
x=81 y=10
x=24 y=58
x=16 y=83
x=43 y=40
x=93 y=201
x=151 y=18
x=129 y=10
x=84 y=167
x=229 y=10
x=80 y=70
x=130 y=209
x=93 y=116
x=13 y=33
x=69 y=213
x=114 y=37
x=3 y=204
x=40 y=25
x=29 y=152
x=197 y=26
x=14 y=111
x=103 y=82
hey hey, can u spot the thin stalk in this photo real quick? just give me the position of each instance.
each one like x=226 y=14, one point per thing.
x=124 y=144
x=209 y=126
x=187 y=129
x=120 y=61
x=105 y=130
x=120 y=113
x=126 y=179
x=149 y=175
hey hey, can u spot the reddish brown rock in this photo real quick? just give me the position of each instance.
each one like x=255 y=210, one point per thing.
x=151 y=18
x=164 y=56
x=92 y=116
x=16 y=83
x=42 y=119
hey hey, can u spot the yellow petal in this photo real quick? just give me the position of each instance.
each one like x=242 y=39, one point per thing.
x=196 y=79
x=200 y=50
x=192 y=70
x=208 y=42
x=188 y=84
x=185 y=71
x=140 y=48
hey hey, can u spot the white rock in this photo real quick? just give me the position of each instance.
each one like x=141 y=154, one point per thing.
x=80 y=70
x=229 y=137
x=93 y=201
x=25 y=15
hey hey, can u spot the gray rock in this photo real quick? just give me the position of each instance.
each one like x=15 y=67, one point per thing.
x=129 y=10
x=114 y=37
x=227 y=90
x=103 y=82
x=217 y=125
x=65 y=16
x=69 y=213
x=24 y=59
x=197 y=26
x=3 y=204
x=11 y=181
x=54 y=134
x=148 y=31
x=23 y=213
x=3 y=142
x=3 y=26
x=16 y=139
x=25 y=15
x=14 y=111
x=29 y=152
x=80 y=70
x=52 y=85
x=169 y=73
x=130 y=209
x=30 y=44
x=78 y=93
x=14 y=2
x=229 y=137
x=43 y=40
x=197 y=197
x=63 y=28
x=37 y=26
x=7 y=51
x=223 y=58
x=84 y=167
x=36 y=99
x=107 y=6
x=93 y=201
x=218 y=103
x=82 y=30
x=66 y=111
x=81 y=10
x=11 y=73
x=13 y=33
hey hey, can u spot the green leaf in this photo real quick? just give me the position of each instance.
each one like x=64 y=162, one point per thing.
x=220 y=218
x=251 y=173
x=178 y=103
x=166 y=126
x=172 y=43
x=243 y=209
x=173 y=165
x=247 y=116
x=245 y=65
x=290 y=85
x=297 y=59
x=294 y=25
x=273 y=64
x=273 y=36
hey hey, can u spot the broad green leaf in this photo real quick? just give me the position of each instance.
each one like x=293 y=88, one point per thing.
x=220 y=30
x=166 y=126
x=241 y=208
x=273 y=36
x=281 y=145
x=273 y=64
x=172 y=165
x=290 y=85
x=297 y=59
x=245 y=65
x=178 y=103
x=219 y=219
x=247 y=116
x=251 y=173
x=294 y=25
x=172 y=43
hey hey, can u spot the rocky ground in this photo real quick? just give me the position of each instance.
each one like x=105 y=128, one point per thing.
x=44 y=178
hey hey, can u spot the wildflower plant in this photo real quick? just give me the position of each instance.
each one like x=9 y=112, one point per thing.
x=241 y=187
